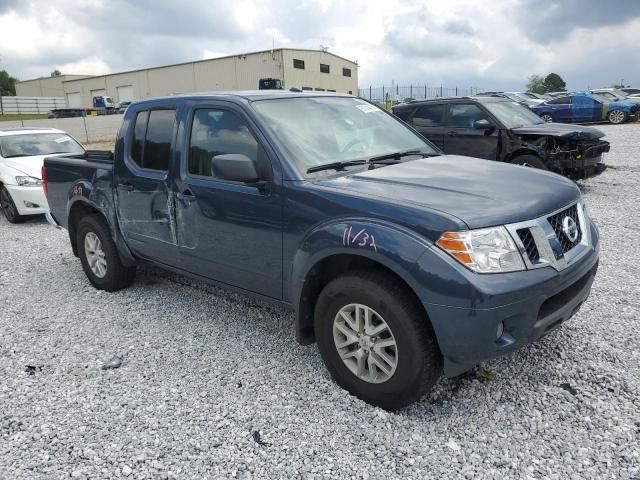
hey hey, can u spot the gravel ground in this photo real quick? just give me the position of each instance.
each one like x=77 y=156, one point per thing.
x=212 y=384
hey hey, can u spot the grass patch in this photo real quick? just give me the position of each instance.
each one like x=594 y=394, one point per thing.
x=16 y=117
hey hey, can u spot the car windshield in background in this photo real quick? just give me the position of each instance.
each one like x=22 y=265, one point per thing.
x=317 y=131
x=513 y=114
x=30 y=144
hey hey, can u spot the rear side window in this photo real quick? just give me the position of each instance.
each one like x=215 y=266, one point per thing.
x=157 y=145
x=429 y=116
x=464 y=115
x=138 y=137
x=217 y=132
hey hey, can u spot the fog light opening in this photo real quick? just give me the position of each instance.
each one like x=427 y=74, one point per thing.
x=31 y=205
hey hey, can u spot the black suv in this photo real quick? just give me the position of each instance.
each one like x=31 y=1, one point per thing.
x=503 y=130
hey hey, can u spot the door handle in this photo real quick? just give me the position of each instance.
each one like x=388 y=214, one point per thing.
x=126 y=187
x=452 y=133
x=186 y=195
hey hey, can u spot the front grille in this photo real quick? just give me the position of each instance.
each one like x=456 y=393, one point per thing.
x=556 y=222
x=529 y=245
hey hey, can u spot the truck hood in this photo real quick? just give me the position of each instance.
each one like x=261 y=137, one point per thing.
x=481 y=193
x=25 y=166
x=564 y=130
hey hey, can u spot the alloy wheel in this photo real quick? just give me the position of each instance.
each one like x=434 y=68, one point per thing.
x=616 y=116
x=547 y=118
x=95 y=255
x=365 y=343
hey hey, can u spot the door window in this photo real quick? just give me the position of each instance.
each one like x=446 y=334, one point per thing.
x=560 y=101
x=464 y=115
x=152 y=135
x=429 y=116
x=218 y=132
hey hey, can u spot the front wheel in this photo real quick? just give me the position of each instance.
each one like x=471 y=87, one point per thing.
x=376 y=340
x=99 y=256
x=617 y=116
x=9 y=207
x=546 y=117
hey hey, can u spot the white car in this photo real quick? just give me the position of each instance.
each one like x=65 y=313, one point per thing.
x=22 y=152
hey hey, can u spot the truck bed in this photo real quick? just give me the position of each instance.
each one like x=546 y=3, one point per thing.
x=89 y=174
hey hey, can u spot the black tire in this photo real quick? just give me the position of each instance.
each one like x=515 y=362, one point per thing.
x=419 y=362
x=547 y=117
x=617 y=117
x=530 y=161
x=9 y=207
x=117 y=276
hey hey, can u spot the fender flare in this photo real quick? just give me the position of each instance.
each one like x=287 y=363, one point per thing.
x=394 y=247
x=84 y=193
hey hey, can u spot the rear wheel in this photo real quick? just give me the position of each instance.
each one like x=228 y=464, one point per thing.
x=8 y=206
x=617 y=116
x=99 y=256
x=530 y=161
x=546 y=117
x=376 y=340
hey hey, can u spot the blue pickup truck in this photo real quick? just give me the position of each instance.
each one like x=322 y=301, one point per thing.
x=400 y=262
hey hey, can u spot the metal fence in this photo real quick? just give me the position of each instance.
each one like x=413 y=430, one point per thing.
x=396 y=93
x=32 y=105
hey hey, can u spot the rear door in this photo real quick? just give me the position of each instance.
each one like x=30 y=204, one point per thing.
x=461 y=138
x=429 y=121
x=228 y=231
x=144 y=200
x=585 y=108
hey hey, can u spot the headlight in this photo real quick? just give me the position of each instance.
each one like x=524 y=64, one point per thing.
x=488 y=250
x=27 y=181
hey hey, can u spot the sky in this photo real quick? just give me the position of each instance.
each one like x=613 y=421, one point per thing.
x=489 y=45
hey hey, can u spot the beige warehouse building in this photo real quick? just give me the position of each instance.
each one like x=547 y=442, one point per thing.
x=45 y=86
x=305 y=69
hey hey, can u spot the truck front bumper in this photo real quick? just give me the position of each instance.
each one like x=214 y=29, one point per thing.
x=29 y=200
x=511 y=311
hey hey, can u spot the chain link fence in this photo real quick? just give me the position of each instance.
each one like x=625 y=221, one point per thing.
x=389 y=95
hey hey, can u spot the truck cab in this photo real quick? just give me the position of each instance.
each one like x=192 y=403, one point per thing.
x=400 y=262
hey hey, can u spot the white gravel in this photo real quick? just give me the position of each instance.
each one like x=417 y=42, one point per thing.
x=213 y=384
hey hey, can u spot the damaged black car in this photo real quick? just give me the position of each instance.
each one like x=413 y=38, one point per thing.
x=503 y=130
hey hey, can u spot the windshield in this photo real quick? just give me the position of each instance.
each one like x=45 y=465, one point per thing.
x=30 y=144
x=320 y=130
x=512 y=114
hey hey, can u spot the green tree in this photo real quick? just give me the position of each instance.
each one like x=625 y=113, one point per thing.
x=56 y=73
x=7 y=84
x=554 y=83
x=535 y=84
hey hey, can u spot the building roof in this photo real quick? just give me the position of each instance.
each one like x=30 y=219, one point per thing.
x=64 y=75
x=212 y=59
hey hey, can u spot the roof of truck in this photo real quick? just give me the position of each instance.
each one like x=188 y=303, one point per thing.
x=252 y=95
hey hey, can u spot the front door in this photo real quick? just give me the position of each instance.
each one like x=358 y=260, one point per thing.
x=227 y=231
x=144 y=200
x=429 y=121
x=461 y=138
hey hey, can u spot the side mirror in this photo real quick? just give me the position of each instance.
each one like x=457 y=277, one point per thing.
x=482 y=124
x=235 y=167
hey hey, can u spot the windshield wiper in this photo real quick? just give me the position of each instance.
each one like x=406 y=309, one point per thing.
x=336 y=165
x=394 y=157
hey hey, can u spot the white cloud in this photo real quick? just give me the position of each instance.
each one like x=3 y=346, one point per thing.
x=451 y=42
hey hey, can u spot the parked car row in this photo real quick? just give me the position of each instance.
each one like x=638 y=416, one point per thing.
x=595 y=106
